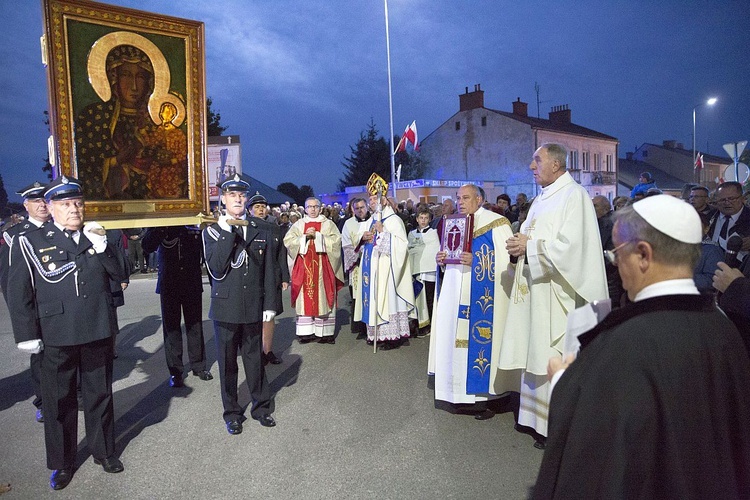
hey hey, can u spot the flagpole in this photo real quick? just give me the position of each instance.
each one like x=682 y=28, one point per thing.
x=390 y=101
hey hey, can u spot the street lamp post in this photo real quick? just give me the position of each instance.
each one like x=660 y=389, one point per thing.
x=709 y=102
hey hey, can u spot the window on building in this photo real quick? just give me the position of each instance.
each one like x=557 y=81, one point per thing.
x=458 y=125
x=597 y=162
x=573 y=160
x=585 y=161
x=610 y=164
x=484 y=121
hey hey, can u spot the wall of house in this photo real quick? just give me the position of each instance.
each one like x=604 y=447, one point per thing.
x=499 y=150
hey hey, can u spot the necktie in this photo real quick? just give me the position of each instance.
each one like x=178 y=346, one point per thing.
x=725 y=227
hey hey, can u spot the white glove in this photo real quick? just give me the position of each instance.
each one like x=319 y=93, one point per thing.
x=31 y=346
x=99 y=241
x=224 y=224
x=268 y=316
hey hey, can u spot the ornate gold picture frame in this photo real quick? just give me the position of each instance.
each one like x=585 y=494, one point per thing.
x=127 y=109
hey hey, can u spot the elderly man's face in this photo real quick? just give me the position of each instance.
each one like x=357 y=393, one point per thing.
x=544 y=167
x=68 y=212
x=235 y=202
x=468 y=200
x=37 y=208
x=729 y=200
x=448 y=206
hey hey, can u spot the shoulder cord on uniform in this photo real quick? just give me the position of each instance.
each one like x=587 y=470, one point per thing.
x=54 y=276
x=235 y=264
x=9 y=241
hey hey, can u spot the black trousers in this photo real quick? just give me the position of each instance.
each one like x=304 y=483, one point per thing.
x=35 y=363
x=247 y=339
x=173 y=308
x=61 y=367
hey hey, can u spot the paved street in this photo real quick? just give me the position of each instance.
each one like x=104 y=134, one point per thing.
x=351 y=424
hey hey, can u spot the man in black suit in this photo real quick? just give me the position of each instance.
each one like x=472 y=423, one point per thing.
x=733 y=217
x=180 y=286
x=259 y=212
x=33 y=202
x=240 y=260
x=62 y=303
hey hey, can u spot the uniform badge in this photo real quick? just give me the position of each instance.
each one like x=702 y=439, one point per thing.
x=50 y=233
x=91 y=251
x=261 y=251
x=45 y=258
x=52 y=266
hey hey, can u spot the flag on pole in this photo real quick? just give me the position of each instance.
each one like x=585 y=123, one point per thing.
x=410 y=135
x=698 y=163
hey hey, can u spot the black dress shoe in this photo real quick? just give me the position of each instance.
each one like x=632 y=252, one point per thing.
x=60 y=478
x=304 y=339
x=484 y=415
x=176 y=381
x=234 y=427
x=272 y=358
x=327 y=340
x=203 y=374
x=111 y=465
x=267 y=421
x=540 y=443
x=40 y=415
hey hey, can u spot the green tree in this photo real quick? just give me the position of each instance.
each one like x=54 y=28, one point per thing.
x=370 y=155
x=305 y=192
x=213 y=120
x=291 y=190
x=3 y=198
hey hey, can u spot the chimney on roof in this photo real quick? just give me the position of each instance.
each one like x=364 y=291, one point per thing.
x=520 y=108
x=471 y=100
x=560 y=114
x=669 y=143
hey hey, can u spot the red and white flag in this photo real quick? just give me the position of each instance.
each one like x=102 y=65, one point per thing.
x=410 y=135
x=698 y=163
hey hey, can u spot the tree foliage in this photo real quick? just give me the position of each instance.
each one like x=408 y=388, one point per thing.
x=213 y=120
x=372 y=154
x=291 y=190
x=369 y=155
x=306 y=192
x=3 y=198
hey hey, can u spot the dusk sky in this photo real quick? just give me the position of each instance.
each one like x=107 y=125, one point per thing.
x=298 y=81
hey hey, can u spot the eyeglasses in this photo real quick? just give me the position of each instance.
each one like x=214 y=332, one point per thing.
x=730 y=199
x=611 y=255
x=312 y=206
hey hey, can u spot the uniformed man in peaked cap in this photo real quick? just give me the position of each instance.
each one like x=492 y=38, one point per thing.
x=62 y=304
x=33 y=202
x=243 y=295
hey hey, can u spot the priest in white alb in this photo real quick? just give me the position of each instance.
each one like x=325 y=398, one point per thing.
x=560 y=268
x=470 y=310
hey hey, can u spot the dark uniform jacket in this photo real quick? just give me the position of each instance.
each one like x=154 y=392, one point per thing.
x=62 y=290
x=244 y=280
x=180 y=257
x=9 y=237
x=277 y=247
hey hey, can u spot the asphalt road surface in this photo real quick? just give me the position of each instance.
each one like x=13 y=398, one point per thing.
x=351 y=424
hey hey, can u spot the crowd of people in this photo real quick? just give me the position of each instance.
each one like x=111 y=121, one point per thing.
x=514 y=298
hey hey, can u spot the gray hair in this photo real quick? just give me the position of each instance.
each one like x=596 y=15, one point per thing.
x=558 y=153
x=667 y=250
